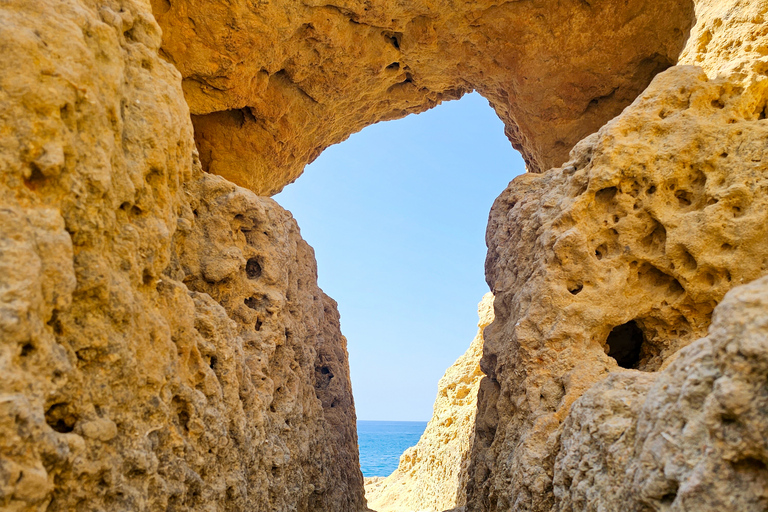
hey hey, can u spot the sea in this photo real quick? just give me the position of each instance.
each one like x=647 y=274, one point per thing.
x=383 y=442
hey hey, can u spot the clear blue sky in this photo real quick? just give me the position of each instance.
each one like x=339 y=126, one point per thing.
x=397 y=215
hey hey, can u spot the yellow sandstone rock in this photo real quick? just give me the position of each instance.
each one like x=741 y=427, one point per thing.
x=164 y=344
x=432 y=475
x=272 y=83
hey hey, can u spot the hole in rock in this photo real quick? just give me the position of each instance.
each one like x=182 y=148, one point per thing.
x=624 y=344
x=253 y=268
x=397 y=216
x=60 y=418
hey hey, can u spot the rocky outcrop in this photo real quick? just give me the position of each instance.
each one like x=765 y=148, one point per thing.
x=618 y=258
x=163 y=341
x=272 y=84
x=690 y=438
x=432 y=475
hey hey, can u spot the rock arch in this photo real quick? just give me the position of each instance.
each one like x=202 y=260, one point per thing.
x=271 y=84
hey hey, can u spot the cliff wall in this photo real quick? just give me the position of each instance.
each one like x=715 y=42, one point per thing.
x=433 y=474
x=163 y=341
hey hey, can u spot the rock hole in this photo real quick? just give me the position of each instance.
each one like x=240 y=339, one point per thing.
x=624 y=344
x=27 y=350
x=214 y=361
x=684 y=198
x=718 y=104
x=255 y=303
x=125 y=206
x=606 y=195
x=146 y=277
x=181 y=409
x=394 y=38
x=394 y=66
x=689 y=262
x=671 y=495
x=601 y=251
x=253 y=268
x=657 y=238
x=651 y=190
x=135 y=210
x=575 y=289
x=59 y=418
x=55 y=323
x=258 y=325
x=723 y=155
x=727 y=247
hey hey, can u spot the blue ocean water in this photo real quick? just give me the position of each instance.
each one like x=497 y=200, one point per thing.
x=382 y=443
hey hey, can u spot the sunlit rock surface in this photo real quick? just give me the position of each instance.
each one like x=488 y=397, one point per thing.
x=272 y=84
x=432 y=475
x=620 y=256
x=163 y=341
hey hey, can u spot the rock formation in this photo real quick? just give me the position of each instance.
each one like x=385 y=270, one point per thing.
x=618 y=258
x=272 y=84
x=163 y=341
x=432 y=475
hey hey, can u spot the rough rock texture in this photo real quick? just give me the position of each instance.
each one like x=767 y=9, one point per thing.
x=694 y=437
x=619 y=257
x=432 y=475
x=163 y=341
x=271 y=84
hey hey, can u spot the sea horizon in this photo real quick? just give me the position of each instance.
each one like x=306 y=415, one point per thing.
x=382 y=442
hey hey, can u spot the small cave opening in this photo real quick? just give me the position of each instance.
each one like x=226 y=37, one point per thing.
x=625 y=343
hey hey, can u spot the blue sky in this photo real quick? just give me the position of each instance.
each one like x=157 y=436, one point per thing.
x=397 y=215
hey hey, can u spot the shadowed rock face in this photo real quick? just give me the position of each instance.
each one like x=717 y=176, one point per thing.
x=271 y=84
x=163 y=341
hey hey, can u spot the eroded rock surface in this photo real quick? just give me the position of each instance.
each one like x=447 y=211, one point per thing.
x=432 y=475
x=272 y=84
x=692 y=437
x=163 y=341
x=619 y=257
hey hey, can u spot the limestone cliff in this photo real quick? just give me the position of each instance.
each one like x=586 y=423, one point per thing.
x=273 y=83
x=163 y=341
x=618 y=259
x=432 y=475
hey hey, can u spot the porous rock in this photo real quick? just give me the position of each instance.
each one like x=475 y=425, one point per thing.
x=272 y=84
x=618 y=258
x=431 y=476
x=163 y=341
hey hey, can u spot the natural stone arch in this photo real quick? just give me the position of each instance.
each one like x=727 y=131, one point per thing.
x=270 y=85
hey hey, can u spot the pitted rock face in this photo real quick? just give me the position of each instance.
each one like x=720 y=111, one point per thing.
x=617 y=259
x=271 y=84
x=163 y=341
x=160 y=328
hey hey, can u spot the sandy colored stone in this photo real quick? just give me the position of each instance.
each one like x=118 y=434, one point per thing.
x=272 y=84
x=146 y=361
x=652 y=220
x=692 y=437
x=164 y=344
x=432 y=475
